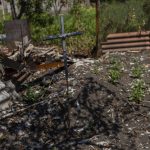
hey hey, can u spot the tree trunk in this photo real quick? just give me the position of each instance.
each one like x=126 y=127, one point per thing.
x=13 y=9
x=3 y=9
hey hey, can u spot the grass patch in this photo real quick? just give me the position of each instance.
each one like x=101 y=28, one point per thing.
x=137 y=90
x=115 y=70
x=32 y=95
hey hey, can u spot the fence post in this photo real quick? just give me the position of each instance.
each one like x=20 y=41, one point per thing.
x=98 y=46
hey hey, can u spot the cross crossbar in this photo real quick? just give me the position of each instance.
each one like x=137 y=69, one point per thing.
x=63 y=36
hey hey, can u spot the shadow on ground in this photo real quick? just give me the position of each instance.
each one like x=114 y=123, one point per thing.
x=94 y=118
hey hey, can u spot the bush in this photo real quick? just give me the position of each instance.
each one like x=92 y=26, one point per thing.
x=33 y=95
x=81 y=19
x=114 y=17
x=137 y=71
x=146 y=9
x=39 y=24
x=115 y=70
x=117 y=16
x=42 y=19
x=137 y=90
x=122 y=17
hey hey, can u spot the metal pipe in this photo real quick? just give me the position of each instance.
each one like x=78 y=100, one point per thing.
x=126 y=40
x=126 y=45
x=64 y=51
x=129 y=34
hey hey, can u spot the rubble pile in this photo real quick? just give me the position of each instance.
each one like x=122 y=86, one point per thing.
x=8 y=94
x=96 y=114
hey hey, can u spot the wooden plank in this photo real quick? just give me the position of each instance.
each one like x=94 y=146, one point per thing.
x=126 y=45
x=127 y=49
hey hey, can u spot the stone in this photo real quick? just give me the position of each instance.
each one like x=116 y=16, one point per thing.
x=4 y=96
x=7 y=94
x=2 y=85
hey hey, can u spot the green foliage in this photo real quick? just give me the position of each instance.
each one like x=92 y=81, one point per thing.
x=122 y=17
x=114 y=75
x=115 y=63
x=137 y=90
x=78 y=20
x=83 y=19
x=32 y=96
x=146 y=9
x=114 y=71
x=40 y=25
x=42 y=20
x=96 y=68
x=137 y=71
x=115 y=16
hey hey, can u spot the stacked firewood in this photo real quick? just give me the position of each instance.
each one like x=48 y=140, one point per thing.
x=38 y=53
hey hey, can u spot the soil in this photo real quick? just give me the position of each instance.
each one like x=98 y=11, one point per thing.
x=96 y=115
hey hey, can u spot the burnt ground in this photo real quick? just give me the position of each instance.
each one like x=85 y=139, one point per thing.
x=97 y=115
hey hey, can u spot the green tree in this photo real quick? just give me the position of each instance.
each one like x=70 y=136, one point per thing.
x=27 y=8
x=146 y=9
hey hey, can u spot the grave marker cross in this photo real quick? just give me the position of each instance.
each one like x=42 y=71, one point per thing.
x=63 y=36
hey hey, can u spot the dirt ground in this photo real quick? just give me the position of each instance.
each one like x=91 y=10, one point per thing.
x=96 y=115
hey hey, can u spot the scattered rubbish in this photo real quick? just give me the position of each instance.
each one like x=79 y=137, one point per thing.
x=7 y=94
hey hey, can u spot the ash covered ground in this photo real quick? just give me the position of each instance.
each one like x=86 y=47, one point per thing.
x=96 y=115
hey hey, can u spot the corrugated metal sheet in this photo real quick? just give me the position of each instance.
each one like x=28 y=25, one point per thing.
x=127 y=41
